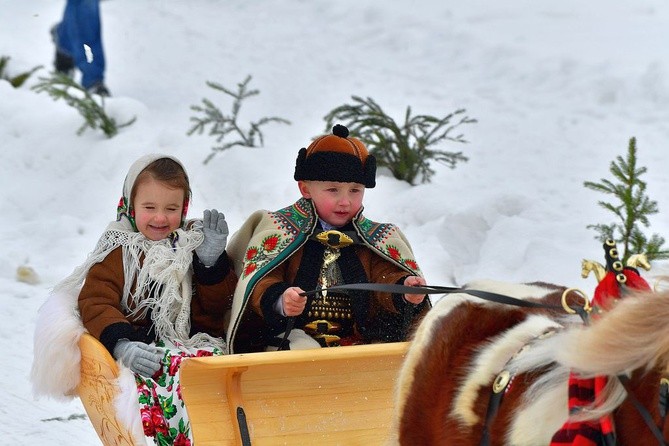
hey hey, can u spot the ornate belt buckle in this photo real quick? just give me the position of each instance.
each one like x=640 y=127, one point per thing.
x=321 y=326
x=327 y=340
x=334 y=239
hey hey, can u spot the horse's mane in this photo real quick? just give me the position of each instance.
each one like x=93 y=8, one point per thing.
x=632 y=335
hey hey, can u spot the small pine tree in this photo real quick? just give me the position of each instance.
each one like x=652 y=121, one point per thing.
x=223 y=125
x=60 y=86
x=405 y=149
x=19 y=79
x=633 y=209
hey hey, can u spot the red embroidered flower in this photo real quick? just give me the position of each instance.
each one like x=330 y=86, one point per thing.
x=251 y=253
x=249 y=268
x=158 y=420
x=394 y=253
x=179 y=392
x=201 y=353
x=142 y=388
x=270 y=243
x=175 y=363
x=147 y=422
x=181 y=440
x=411 y=264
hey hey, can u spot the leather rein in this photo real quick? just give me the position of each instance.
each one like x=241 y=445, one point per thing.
x=429 y=289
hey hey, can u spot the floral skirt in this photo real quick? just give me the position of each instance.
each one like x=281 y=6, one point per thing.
x=161 y=407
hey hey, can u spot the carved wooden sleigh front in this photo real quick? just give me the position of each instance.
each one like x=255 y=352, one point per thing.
x=98 y=389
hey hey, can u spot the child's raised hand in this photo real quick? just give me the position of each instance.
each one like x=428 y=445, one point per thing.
x=414 y=281
x=215 y=230
x=293 y=303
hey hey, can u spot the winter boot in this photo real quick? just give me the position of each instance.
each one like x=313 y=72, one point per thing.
x=63 y=62
x=99 y=88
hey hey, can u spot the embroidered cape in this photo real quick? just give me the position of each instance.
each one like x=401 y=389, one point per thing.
x=267 y=238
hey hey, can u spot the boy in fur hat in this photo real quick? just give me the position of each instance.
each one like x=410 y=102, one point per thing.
x=154 y=290
x=322 y=240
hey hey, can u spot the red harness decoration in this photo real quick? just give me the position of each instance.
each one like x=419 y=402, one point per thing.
x=584 y=392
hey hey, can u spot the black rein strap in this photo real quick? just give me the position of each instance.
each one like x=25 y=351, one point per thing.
x=426 y=289
x=647 y=417
x=430 y=289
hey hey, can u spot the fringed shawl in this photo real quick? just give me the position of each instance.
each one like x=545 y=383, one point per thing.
x=157 y=278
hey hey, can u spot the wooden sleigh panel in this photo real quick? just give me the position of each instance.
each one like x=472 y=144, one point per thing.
x=97 y=390
x=330 y=396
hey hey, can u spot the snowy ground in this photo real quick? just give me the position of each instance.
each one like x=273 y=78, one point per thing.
x=557 y=88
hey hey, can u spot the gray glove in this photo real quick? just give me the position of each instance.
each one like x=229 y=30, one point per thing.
x=139 y=357
x=215 y=230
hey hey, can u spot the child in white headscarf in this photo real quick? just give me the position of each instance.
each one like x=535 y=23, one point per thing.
x=154 y=290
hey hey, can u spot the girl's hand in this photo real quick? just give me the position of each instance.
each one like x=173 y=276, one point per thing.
x=215 y=230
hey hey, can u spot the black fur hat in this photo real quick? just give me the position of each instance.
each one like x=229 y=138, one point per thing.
x=336 y=157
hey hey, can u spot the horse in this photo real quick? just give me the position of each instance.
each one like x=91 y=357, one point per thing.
x=465 y=346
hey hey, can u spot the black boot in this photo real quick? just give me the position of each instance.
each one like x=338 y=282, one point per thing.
x=63 y=62
x=99 y=88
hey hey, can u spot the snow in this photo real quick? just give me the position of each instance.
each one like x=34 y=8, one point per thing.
x=558 y=88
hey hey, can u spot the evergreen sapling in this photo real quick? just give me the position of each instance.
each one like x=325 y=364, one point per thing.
x=223 y=126
x=60 y=86
x=406 y=149
x=632 y=209
x=15 y=80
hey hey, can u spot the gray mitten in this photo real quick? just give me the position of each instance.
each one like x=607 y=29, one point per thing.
x=139 y=357
x=215 y=230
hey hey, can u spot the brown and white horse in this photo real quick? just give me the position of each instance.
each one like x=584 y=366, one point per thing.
x=463 y=343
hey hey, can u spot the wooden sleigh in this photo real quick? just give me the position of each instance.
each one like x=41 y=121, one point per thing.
x=335 y=396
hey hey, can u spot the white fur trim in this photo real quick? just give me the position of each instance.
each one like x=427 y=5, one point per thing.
x=56 y=363
x=127 y=405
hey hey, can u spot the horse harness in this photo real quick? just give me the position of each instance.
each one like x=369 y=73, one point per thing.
x=504 y=379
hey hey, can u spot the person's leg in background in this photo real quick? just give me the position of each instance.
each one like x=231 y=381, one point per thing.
x=79 y=36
